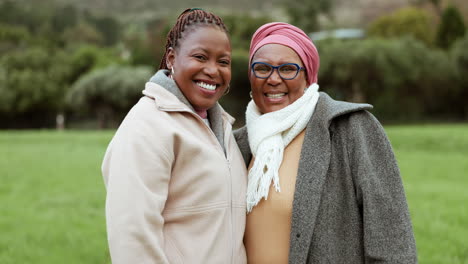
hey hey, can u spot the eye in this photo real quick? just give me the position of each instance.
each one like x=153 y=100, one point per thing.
x=262 y=68
x=288 y=68
x=199 y=57
x=225 y=62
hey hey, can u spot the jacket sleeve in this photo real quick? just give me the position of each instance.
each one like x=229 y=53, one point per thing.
x=388 y=234
x=136 y=170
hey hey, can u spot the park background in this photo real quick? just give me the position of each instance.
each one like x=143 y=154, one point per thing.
x=70 y=70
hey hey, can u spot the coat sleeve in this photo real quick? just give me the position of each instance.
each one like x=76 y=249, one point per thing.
x=136 y=170
x=388 y=234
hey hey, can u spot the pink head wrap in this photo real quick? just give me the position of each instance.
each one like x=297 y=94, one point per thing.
x=292 y=37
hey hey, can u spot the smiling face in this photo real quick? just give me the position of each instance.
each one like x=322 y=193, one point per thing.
x=202 y=65
x=274 y=93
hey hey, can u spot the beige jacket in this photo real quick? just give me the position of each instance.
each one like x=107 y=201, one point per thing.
x=174 y=194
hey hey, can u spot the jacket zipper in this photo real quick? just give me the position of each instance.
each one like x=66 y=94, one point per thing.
x=225 y=155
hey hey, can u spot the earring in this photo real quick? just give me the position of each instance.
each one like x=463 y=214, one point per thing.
x=227 y=90
x=250 y=95
x=172 y=73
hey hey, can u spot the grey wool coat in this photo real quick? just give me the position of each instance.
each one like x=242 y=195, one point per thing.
x=349 y=204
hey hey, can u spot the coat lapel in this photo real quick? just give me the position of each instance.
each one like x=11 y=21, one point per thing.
x=313 y=166
x=312 y=173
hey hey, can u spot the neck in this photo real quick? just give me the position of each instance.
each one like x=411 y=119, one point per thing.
x=202 y=113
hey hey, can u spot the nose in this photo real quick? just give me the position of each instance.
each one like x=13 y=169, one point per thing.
x=274 y=78
x=211 y=69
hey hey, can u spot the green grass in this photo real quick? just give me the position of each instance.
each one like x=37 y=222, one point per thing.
x=434 y=166
x=52 y=194
x=52 y=197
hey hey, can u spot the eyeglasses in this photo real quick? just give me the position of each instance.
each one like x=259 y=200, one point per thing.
x=287 y=71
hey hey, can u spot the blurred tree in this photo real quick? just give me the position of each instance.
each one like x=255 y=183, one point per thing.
x=397 y=76
x=109 y=92
x=83 y=33
x=14 y=13
x=108 y=26
x=12 y=37
x=236 y=100
x=64 y=17
x=156 y=32
x=86 y=58
x=409 y=21
x=139 y=50
x=242 y=27
x=460 y=58
x=450 y=28
x=33 y=82
x=305 y=13
x=437 y=4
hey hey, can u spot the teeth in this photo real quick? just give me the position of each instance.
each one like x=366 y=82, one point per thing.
x=275 y=95
x=210 y=87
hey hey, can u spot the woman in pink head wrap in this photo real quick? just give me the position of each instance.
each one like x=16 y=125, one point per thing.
x=323 y=182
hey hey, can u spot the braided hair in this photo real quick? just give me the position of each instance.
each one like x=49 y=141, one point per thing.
x=189 y=17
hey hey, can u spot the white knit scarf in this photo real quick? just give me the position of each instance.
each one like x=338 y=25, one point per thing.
x=268 y=135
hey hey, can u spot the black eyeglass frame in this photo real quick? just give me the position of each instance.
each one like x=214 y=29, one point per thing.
x=299 y=68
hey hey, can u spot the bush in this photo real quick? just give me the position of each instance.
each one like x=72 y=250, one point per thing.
x=33 y=80
x=242 y=27
x=411 y=21
x=109 y=92
x=236 y=101
x=459 y=54
x=450 y=28
x=402 y=78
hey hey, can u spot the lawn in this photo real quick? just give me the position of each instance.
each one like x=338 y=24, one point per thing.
x=52 y=194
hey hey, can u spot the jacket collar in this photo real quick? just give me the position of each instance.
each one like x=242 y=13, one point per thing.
x=168 y=97
x=313 y=167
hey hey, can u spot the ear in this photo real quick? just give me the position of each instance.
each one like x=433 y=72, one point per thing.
x=170 y=58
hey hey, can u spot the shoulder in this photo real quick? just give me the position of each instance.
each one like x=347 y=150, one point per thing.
x=240 y=134
x=329 y=108
x=242 y=140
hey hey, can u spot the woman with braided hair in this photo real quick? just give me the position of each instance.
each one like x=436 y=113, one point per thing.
x=175 y=178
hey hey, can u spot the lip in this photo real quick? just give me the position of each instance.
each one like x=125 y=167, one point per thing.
x=207 y=81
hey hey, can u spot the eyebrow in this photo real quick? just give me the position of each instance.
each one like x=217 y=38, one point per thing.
x=280 y=63
x=206 y=51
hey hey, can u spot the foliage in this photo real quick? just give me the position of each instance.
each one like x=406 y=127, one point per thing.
x=12 y=37
x=82 y=33
x=414 y=22
x=109 y=92
x=33 y=80
x=460 y=61
x=64 y=17
x=396 y=76
x=242 y=27
x=13 y=13
x=238 y=97
x=108 y=26
x=145 y=44
x=450 y=28
x=305 y=14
